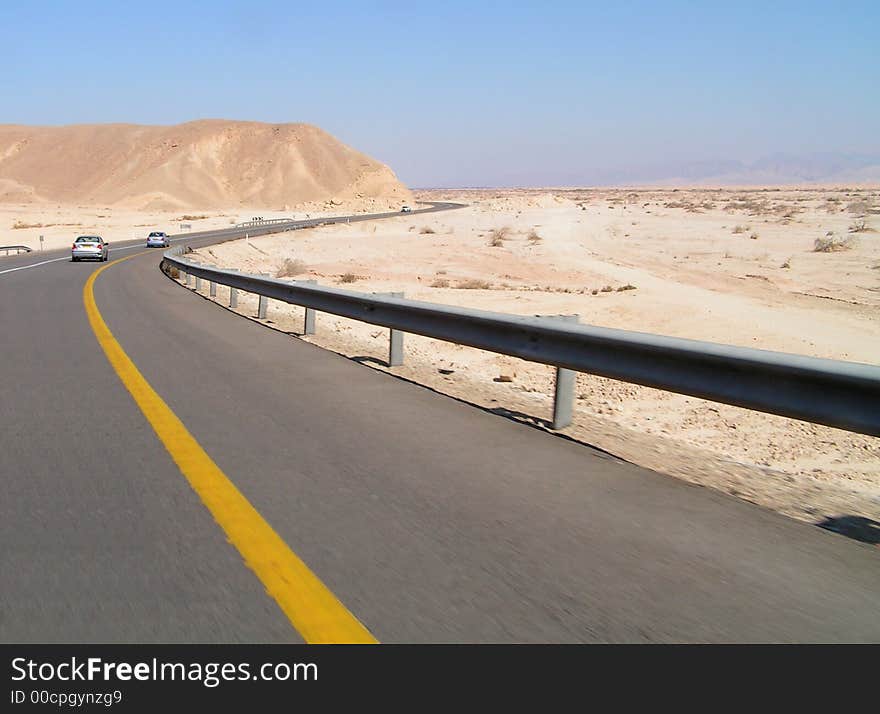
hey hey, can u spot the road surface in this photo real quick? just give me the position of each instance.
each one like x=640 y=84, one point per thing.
x=429 y=519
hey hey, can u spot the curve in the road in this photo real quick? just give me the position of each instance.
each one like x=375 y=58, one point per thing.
x=431 y=520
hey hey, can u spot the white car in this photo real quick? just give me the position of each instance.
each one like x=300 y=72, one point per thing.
x=89 y=248
x=158 y=239
x=405 y=209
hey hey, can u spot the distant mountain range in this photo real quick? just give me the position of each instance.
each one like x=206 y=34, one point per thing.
x=773 y=169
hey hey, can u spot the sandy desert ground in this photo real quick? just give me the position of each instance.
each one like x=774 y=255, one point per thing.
x=732 y=266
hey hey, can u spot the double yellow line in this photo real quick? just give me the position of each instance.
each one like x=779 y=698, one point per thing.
x=310 y=606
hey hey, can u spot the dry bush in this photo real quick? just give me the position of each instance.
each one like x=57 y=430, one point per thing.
x=291 y=267
x=859 y=208
x=740 y=229
x=607 y=289
x=787 y=263
x=170 y=270
x=427 y=229
x=22 y=224
x=348 y=278
x=626 y=287
x=859 y=226
x=497 y=236
x=189 y=217
x=754 y=236
x=440 y=283
x=473 y=284
x=744 y=204
x=533 y=237
x=833 y=244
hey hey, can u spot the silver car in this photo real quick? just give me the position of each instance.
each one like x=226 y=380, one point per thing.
x=90 y=248
x=158 y=239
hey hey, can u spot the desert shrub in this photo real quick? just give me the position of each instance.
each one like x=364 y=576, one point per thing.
x=833 y=244
x=859 y=208
x=348 y=278
x=427 y=229
x=291 y=267
x=533 y=237
x=626 y=287
x=740 y=229
x=497 y=236
x=21 y=224
x=607 y=289
x=754 y=236
x=787 y=263
x=473 y=284
x=189 y=217
x=171 y=271
x=858 y=226
x=440 y=283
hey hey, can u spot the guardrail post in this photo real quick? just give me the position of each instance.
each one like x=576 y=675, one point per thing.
x=212 y=291
x=233 y=297
x=563 y=398
x=198 y=283
x=309 y=318
x=395 y=338
x=186 y=278
x=262 y=307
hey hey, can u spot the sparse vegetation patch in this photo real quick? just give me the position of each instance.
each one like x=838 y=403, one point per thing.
x=497 y=236
x=833 y=244
x=290 y=268
x=473 y=284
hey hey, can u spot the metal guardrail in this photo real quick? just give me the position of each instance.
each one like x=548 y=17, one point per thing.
x=841 y=394
x=17 y=248
x=263 y=222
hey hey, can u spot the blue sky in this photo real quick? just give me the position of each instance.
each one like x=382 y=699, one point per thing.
x=466 y=93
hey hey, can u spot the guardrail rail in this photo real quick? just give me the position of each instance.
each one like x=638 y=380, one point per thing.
x=17 y=248
x=835 y=393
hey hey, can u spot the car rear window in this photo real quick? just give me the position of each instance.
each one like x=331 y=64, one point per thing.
x=88 y=239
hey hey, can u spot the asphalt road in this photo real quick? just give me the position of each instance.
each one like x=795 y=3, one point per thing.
x=431 y=520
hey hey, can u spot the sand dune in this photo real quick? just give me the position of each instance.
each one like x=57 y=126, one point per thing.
x=203 y=164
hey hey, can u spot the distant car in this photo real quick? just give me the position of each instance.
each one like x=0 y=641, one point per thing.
x=405 y=209
x=89 y=248
x=158 y=239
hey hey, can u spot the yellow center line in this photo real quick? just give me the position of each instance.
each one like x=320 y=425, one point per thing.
x=310 y=606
